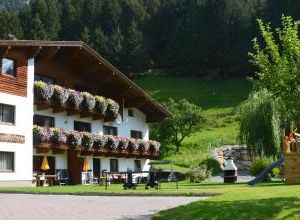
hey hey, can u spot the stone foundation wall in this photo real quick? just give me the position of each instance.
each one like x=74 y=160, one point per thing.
x=239 y=153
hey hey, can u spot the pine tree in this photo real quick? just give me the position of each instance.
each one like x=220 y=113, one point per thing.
x=85 y=35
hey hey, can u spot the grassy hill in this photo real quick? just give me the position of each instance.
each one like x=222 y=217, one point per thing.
x=218 y=99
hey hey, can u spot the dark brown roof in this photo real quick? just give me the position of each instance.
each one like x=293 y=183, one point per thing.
x=150 y=106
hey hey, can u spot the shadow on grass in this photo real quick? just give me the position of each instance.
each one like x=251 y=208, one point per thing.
x=240 y=209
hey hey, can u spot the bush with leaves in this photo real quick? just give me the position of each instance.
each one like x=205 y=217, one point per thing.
x=261 y=163
x=199 y=173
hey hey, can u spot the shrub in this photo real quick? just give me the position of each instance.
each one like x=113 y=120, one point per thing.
x=133 y=145
x=143 y=145
x=43 y=91
x=86 y=140
x=40 y=135
x=99 y=141
x=88 y=101
x=123 y=143
x=74 y=138
x=75 y=98
x=112 y=108
x=60 y=95
x=100 y=105
x=58 y=136
x=212 y=165
x=199 y=173
x=112 y=142
x=261 y=163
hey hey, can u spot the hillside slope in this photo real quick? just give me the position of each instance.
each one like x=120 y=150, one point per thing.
x=218 y=99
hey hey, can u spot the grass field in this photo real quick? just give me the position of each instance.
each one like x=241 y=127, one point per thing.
x=218 y=99
x=239 y=201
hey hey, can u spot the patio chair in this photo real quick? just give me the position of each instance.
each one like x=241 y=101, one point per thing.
x=62 y=177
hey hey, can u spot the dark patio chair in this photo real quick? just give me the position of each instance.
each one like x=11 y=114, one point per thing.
x=62 y=177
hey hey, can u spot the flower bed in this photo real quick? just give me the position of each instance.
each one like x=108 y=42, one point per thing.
x=86 y=141
x=72 y=100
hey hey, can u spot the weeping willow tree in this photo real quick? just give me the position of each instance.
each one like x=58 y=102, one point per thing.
x=260 y=118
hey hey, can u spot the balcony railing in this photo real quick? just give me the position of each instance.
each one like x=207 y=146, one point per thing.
x=74 y=102
x=87 y=143
x=291 y=146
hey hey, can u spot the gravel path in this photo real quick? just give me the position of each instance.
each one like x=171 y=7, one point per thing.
x=26 y=206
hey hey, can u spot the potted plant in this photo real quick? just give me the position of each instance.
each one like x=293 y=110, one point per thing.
x=42 y=91
x=133 y=145
x=112 y=108
x=60 y=95
x=112 y=142
x=74 y=139
x=143 y=146
x=86 y=140
x=75 y=98
x=123 y=143
x=88 y=101
x=99 y=141
x=41 y=136
x=154 y=146
x=100 y=105
x=58 y=137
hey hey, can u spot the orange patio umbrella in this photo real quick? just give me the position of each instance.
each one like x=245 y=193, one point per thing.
x=86 y=166
x=45 y=164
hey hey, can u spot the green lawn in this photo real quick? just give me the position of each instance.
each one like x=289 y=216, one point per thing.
x=239 y=201
x=219 y=100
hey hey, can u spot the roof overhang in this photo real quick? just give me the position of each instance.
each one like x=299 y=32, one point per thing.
x=37 y=49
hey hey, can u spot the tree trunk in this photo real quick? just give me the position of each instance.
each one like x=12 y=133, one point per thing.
x=177 y=147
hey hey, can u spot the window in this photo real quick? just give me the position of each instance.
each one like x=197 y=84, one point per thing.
x=7 y=114
x=45 y=79
x=137 y=166
x=109 y=130
x=114 y=166
x=43 y=121
x=82 y=126
x=8 y=67
x=97 y=167
x=6 y=161
x=130 y=112
x=136 y=134
x=37 y=163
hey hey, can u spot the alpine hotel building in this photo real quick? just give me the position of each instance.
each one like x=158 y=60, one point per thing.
x=63 y=100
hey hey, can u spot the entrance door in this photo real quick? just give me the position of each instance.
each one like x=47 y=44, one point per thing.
x=96 y=167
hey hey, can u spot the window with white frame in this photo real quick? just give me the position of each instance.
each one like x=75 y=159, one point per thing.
x=7 y=114
x=6 y=161
x=8 y=67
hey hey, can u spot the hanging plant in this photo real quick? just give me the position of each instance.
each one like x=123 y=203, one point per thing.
x=40 y=135
x=100 y=105
x=74 y=138
x=86 y=140
x=60 y=95
x=58 y=136
x=43 y=91
x=88 y=101
x=99 y=141
x=75 y=98
x=112 y=108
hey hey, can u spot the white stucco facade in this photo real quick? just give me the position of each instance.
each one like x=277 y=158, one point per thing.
x=22 y=174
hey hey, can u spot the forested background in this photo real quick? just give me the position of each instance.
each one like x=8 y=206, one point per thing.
x=190 y=37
